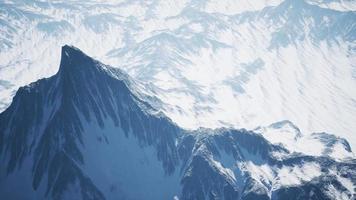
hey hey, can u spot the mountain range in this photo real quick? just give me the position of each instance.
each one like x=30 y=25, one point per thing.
x=212 y=63
x=92 y=132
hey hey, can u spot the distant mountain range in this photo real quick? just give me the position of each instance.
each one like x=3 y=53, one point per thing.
x=92 y=132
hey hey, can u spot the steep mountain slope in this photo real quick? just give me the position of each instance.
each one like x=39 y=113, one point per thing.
x=89 y=132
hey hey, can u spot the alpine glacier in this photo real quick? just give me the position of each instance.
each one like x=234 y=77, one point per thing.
x=92 y=132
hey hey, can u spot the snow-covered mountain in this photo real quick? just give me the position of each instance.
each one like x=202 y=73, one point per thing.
x=92 y=132
x=213 y=62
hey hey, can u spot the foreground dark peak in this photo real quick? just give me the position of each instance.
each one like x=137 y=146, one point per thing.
x=85 y=134
x=70 y=50
x=74 y=60
x=78 y=66
x=71 y=54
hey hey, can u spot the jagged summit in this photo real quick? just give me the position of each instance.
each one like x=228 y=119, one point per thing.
x=70 y=52
x=73 y=59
